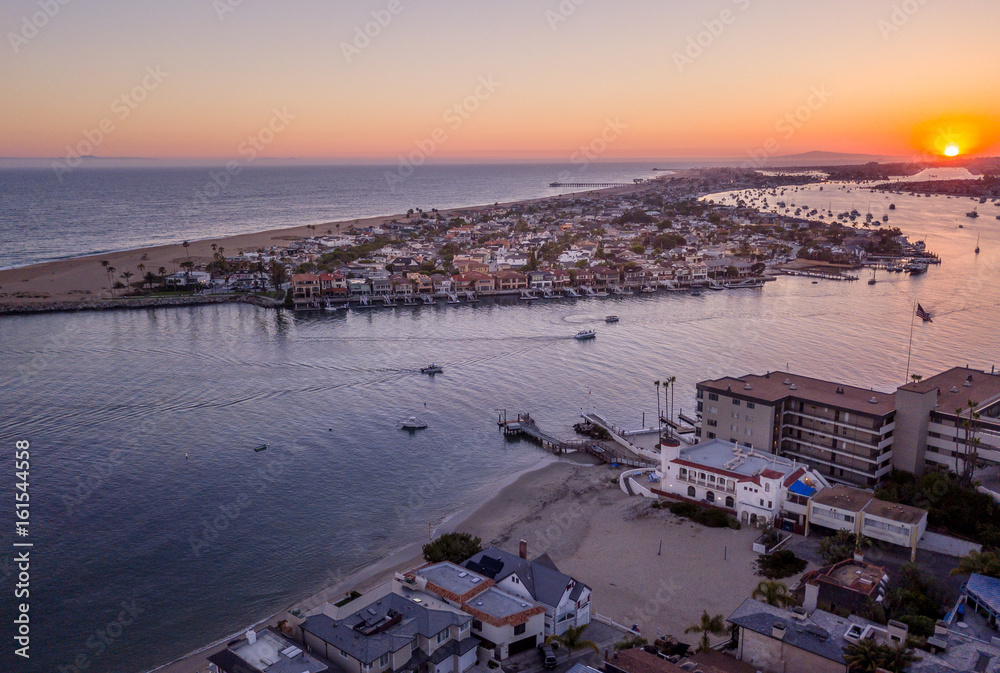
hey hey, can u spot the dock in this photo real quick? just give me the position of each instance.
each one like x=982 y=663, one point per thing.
x=525 y=426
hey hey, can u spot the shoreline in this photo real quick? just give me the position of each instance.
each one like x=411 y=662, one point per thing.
x=81 y=280
x=364 y=578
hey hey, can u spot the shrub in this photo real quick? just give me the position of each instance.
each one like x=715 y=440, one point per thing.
x=780 y=564
x=454 y=547
x=713 y=518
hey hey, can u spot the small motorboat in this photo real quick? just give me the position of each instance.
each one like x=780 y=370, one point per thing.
x=432 y=369
x=411 y=423
x=585 y=334
x=611 y=318
x=258 y=449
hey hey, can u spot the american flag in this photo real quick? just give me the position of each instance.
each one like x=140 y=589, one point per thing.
x=922 y=314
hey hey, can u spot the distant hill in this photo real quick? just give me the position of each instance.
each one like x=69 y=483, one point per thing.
x=820 y=158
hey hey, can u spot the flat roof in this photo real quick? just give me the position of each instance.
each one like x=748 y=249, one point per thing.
x=773 y=387
x=737 y=460
x=858 y=576
x=500 y=604
x=954 y=393
x=272 y=653
x=453 y=578
x=843 y=497
x=894 y=511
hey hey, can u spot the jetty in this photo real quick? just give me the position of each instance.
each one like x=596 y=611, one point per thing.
x=591 y=184
x=525 y=426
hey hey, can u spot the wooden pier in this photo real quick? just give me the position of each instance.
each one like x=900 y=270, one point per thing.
x=525 y=426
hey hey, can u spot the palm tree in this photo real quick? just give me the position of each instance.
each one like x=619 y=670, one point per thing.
x=571 y=639
x=111 y=274
x=980 y=563
x=107 y=270
x=899 y=658
x=916 y=377
x=670 y=385
x=658 y=421
x=773 y=593
x=630 y=642
x=126 y=275
x=714 y=626
x=863 y=657
x=186 y=245
x=149 y=278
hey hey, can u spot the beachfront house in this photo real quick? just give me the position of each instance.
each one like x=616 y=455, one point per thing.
x=566 y=600
x=306 y=289
x=393 y=628
x=267 y=651
x=759 y=488
x=503 y=622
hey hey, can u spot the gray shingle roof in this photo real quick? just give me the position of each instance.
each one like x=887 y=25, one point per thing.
x=417 y=620
x=544 y=582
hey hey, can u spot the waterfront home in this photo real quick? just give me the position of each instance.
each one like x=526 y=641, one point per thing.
x=481 y=282
x=857 y=511
x=332 y=285
x=760 y=489
x=188 y=279
x=504 y=622
x=566 y=601
x=359 y=286
x=511 y=280
x=540 y=280
x=605 y=276
x=585 y=277
x=633 y=275
x=267 y=651
x=392 y=628
x=422 y=283
x=306 y=289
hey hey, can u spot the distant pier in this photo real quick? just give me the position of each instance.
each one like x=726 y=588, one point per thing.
x=525 y=426
x=592 y=184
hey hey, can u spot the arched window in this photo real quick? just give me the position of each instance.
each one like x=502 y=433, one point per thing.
x=691 y=492
x=767 y=488
x=710 y=496
x=729 y=501
x=753 y=519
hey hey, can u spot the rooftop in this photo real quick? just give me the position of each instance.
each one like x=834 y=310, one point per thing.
x=954 y=393
x=500 y=605
x=773 y=387
x=543 y=581
x=858 y=576
x=269 y=653
x=736 y=460
x=461 y=584
x=844 y=497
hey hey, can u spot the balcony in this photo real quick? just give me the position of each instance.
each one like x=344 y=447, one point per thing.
x=714 y=485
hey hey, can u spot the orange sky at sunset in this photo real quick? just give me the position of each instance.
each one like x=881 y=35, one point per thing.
x=514 y=80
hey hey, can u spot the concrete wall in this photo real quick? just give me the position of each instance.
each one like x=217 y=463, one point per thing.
x=773 y=656
x=909 y=444
x=759 y=421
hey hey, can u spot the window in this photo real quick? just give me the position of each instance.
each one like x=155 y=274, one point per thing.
x=713 y=410
x=713 y=396
x=520 y=629
x=710 y=496
x=749 y=432
x=751 y=405
x=712 y=423
x=691 y=492
x=734 y=428
x=383 y=661
x=729 y=501
x=767 y=488
x=477 y=625
x=443 y=636
x=736 y=415
x=736 y=402
x=711 y=435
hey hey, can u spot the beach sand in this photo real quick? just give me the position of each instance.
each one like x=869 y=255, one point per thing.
x=84 y=279
x=577 y=514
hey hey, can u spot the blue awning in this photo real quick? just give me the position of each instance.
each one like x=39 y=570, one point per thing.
x=798 y=488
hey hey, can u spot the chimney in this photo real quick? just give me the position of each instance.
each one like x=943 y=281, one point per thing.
x=778 y=630
x=811 y=599
x=523 y=549
x=251 y=636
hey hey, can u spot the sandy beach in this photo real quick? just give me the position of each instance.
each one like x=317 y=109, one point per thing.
x=576 y=513
x=83 y=279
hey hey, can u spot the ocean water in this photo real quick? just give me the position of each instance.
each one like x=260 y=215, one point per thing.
x=149 y=505
x=44 y=217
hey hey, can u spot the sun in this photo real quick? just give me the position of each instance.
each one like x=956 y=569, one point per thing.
x=951 y=150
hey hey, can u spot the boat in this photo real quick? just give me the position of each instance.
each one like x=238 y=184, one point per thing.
x=695 y=293
x=258 y=449
x=432 y=369
x=977 y=245
x=611 y=318
x=411 y=423
x=334 y=308
x=872 y=281
x=585 y=335
x=973 y=214
x=916 y=268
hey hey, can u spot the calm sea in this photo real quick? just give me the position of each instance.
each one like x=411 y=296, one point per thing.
x=94 y=210
x=158 y=529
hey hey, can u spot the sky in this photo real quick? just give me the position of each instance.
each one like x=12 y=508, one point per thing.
x=505 y=80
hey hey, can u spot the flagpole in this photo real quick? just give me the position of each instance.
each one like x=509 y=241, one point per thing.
x=909 y=348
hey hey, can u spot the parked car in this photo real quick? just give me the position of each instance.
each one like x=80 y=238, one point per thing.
x=548 y=655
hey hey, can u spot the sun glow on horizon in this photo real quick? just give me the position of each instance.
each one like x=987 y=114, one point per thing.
x=952 y=150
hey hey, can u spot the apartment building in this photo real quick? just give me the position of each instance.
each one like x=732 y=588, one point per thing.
x=842 y=432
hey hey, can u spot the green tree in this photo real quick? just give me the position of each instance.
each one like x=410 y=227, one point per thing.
x=572 y=639
x=841 y=546
x=708 y=626
x=773 y=593
x=630 y=642
x=454 y=547
x=863 y=657
x=981 y=563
